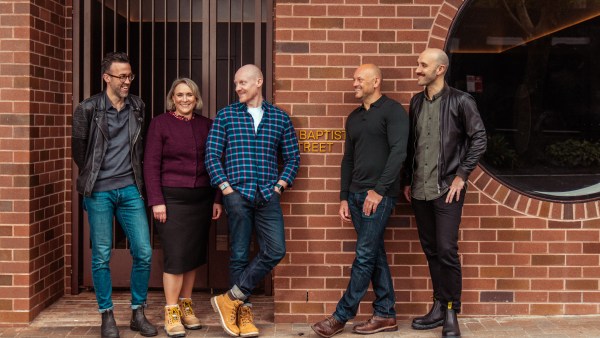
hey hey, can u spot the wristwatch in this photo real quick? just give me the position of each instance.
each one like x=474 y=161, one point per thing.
x=280 y=187
x=224 y=186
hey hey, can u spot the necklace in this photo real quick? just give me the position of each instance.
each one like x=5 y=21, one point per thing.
x=181 y=117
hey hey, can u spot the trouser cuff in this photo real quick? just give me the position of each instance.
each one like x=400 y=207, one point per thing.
x=385 y=315
x=104 y=310
x=338 y=318
x=237 y=293
x=454 y=305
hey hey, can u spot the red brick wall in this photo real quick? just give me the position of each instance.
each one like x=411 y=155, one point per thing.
x=35 y=100
x=520 y=255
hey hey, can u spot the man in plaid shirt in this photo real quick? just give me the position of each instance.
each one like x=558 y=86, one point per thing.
x=248 y=136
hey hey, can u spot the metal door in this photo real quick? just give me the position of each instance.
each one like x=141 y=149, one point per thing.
x=206 y=40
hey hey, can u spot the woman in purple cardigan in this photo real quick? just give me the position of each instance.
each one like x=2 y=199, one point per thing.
x=182 y=200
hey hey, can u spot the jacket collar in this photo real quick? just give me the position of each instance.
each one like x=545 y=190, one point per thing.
x=441 y=93
x=107 y=104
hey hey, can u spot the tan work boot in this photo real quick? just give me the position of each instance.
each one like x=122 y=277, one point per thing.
x=227 y=310
x=246 y=322
x=188 y=317
x=173 y=326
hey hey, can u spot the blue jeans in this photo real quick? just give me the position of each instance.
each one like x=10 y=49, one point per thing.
x=128 y=206
x=370 y=263
x=266 y=218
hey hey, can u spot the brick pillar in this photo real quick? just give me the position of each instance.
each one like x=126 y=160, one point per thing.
x=35 y=103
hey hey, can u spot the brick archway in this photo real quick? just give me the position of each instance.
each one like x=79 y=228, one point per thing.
x=442 y=22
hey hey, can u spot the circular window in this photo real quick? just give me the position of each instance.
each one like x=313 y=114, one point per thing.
x=534 y=70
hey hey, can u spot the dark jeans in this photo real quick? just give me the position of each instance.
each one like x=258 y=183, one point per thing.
x=437 y=222
x=370 y=263
x=266 y=218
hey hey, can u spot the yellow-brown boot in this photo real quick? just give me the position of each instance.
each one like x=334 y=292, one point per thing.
x=173 y=326
x=188 y=317
x=227 y=309
x=246 y=322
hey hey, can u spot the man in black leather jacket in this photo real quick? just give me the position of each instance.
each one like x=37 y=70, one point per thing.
x=446 y=140
x=108 y=148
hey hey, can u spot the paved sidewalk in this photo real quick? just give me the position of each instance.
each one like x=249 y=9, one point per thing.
x=76 y=316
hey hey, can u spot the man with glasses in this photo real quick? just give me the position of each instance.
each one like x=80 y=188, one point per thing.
x=108 y=149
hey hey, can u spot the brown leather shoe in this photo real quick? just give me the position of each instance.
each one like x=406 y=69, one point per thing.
x=328 y=327
x=376 y=324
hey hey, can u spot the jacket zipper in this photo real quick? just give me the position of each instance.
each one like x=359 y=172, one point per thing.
x=132 y=150
x=439 y=164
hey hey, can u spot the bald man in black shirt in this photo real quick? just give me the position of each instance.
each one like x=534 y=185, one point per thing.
x=376 y=140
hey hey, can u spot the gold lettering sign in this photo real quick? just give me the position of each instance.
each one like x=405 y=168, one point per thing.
x=319 y=140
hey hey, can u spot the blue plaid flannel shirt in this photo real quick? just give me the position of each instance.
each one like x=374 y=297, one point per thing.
x=250 y=161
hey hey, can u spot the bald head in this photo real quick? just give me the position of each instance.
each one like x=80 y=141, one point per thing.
x=432 y=66
x=367 y=83
x=370 y=70
x=250 y=71
x=436 y=55
x=248 y=82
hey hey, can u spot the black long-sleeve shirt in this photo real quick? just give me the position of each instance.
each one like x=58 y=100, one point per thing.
x=375 y=149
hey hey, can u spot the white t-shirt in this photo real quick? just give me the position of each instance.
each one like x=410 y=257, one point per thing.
x=257 y=115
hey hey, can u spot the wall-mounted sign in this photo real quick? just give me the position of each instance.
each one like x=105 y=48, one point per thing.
x=319 y=140
x=474 y=84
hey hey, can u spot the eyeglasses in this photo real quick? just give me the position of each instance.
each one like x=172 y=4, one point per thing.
x=122 y=78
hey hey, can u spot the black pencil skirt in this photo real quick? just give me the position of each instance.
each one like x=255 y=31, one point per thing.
x=184 y=236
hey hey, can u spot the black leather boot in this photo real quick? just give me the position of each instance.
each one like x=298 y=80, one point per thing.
x=431 y=320
x=109 y=326
x=451 y=328
x=140 y=323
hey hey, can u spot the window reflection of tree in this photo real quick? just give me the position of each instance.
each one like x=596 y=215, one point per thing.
x=534 y=19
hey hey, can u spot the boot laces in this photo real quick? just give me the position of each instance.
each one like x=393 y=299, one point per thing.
x=234 y=310
x=246 y=316
x=174 y=315
x=332 y=321
x=186 y=304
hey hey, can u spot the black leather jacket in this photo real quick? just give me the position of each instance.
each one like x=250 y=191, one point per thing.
x=90 y=132
x=462 y=136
